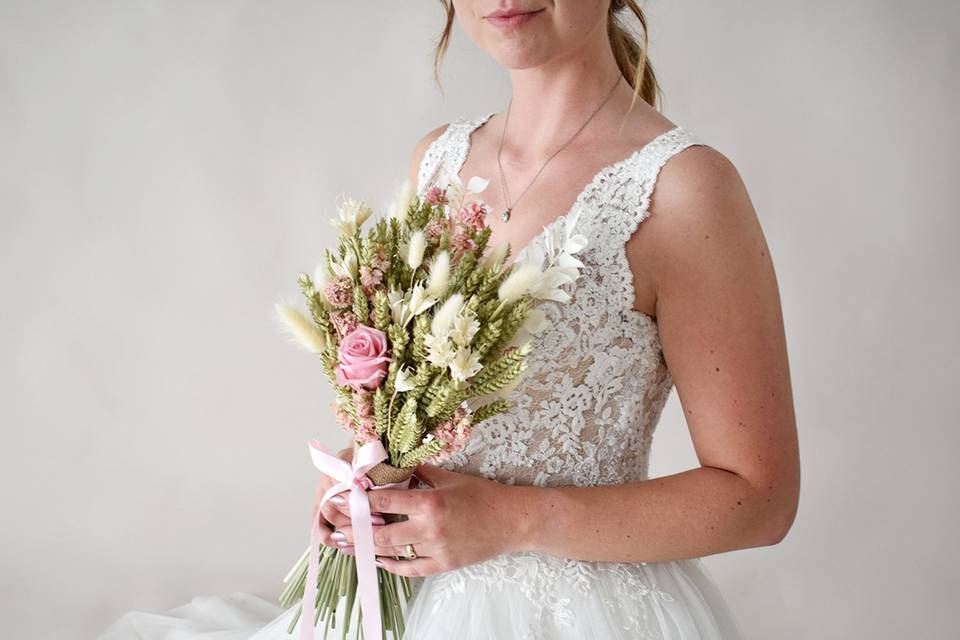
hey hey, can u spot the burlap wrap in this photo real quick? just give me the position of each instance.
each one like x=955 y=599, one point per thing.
x=385 y=473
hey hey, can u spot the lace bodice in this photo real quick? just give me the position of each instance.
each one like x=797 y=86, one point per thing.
x=587 y=408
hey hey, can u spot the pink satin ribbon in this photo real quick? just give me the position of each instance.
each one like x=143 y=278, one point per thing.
x=352 y=477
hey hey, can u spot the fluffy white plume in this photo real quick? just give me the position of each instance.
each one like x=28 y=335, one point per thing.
x=446 y=314
x=417 y=245
x=439 y=275
x=519 y=282
x=495 y=256
x=301 y=328
x=399 y=207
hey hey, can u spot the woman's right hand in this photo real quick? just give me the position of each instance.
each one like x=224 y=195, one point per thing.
x=336 y=510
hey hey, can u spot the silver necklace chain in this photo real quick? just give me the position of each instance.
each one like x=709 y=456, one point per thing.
x=504 y=190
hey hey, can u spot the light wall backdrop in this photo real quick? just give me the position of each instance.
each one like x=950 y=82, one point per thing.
x=167 y=168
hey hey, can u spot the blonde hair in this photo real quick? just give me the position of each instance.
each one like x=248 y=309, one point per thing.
x=630 y=53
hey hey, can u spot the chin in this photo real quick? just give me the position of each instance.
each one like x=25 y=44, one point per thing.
x=530 y=33
x=522 y=55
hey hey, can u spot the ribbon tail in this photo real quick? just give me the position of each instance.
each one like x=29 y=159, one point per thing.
x=368 y=587
x=308 y=610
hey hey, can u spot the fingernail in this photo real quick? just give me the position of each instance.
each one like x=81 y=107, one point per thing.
x=338 y=501
x=338 y=536
x=377 y=520
x=379 y=564
x=342 y=543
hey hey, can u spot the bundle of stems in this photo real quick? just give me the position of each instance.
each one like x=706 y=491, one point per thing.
x=337 y=587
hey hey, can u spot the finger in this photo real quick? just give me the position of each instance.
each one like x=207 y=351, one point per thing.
x=410 y=568
x=405 y=501
x=334 y=517
x=338 y=501
x=431 y=475
x=390 y=540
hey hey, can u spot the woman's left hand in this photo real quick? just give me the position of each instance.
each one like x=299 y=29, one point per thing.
x=459 y=520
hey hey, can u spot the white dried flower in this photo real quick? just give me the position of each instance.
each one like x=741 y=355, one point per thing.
x=547 y=287
x=457 y=193
x=465 y=327
x=398 y=306
x=465 y=365
x=440 y=352
x=350 y=216
x=348 y=266
x=404 y=381
x=418 y=300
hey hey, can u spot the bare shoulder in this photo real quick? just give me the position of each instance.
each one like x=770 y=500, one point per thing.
x=701 y=216
x=420 y=149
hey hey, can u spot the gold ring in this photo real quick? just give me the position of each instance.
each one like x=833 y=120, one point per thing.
x=411 y=553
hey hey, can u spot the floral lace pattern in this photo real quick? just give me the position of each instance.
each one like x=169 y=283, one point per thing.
x=587 y=408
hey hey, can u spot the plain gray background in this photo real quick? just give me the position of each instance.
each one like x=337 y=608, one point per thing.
x=167 y=168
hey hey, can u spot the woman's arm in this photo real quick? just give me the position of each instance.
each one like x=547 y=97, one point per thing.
x=721 y=329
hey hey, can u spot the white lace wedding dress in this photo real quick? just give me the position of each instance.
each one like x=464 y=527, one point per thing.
x=585 y=415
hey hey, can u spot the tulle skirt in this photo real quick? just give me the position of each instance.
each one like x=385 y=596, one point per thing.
x=514 y=596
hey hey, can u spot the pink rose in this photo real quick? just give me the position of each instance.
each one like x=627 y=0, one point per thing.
x=363 y=359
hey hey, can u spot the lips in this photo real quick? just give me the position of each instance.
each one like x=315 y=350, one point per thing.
x=510 y=19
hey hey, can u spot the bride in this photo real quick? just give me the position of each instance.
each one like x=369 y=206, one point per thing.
x=546 y=525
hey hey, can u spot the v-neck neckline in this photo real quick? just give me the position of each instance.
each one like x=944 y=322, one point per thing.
x=588 y=189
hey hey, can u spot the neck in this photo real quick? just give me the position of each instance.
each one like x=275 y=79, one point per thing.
x=551 y=101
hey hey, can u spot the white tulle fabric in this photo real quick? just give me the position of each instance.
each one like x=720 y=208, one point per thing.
x=585 y=414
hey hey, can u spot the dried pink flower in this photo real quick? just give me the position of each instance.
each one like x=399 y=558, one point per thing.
x=462 y=242
x=380 y=261
x=370 y=279
x=474 y=215
x=340 y=292
x=344 y=322
x=367 y=431
x=435 y=228
x=343 y=418
x=363 y=403
x=453 y=433
x=436 y=197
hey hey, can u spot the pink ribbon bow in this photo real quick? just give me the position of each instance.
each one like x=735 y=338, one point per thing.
x=352 y=477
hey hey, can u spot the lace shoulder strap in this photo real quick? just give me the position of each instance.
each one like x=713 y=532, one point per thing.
x=645 y=170
x=623 y=202
x=447 y=153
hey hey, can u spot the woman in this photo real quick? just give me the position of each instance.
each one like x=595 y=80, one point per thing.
x=546 y=525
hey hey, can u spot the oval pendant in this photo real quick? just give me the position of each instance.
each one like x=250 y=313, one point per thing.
x=505 y=215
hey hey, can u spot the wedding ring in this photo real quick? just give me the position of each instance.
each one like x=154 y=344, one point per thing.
x=411 y=553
